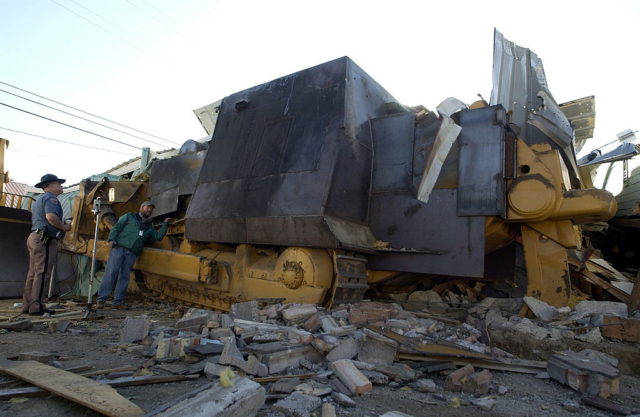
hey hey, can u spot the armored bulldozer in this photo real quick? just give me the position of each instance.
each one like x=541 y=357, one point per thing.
x=318 y=185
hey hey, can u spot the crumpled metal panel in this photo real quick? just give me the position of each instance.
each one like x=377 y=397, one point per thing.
x=622 y=152
x=582 y=116
x=172 y=178
x=520 y=86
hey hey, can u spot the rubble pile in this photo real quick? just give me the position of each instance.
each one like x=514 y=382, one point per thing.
x=303 y=358
x=267 y=358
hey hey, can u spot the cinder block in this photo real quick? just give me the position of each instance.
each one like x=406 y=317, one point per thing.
x=347 y=349
x=351 y=376
x=135 y=329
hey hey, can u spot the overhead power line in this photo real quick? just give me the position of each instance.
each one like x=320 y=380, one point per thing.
x=68 y=125
x=81 y=118
x=65 y=141
x=90 y=114
x=45 y=156
x=110 y=22
x=98 y=26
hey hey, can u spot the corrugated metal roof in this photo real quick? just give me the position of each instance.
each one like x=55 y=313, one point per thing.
x=582 y=115
x=16 y=188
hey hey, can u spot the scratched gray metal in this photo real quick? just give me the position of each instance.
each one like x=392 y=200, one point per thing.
x=286 y=154
x=423 y=238
x=450 y=245
x=481 y=182
x=172 y=178
x=520 y=86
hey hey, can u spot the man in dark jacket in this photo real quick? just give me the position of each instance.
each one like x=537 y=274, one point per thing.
x=127 y=239
x=47 y=228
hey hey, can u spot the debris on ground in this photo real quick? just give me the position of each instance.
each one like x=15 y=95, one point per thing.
x=277 y=359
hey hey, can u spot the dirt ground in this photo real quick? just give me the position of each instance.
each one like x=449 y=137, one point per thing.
x=526 y=395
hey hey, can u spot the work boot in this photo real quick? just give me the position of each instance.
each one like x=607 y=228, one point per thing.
x=99 y=305
x=121 y=306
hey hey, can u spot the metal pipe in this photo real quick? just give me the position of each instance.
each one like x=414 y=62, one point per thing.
x=53 y=274
x=96 y=211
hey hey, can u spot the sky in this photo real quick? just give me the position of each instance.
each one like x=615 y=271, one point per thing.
x=148 y=64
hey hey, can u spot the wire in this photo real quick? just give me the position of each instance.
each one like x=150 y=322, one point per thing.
x=64 y=141
x=80 y=117
x=160 y=12
x=73 y=127
x=99 y=26
x=90 y=114
x=148 y=14
x=46 y=156
x=106 y=20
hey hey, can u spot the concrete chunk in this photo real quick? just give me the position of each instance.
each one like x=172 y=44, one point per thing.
x=541 y=310
x=243 y=398
x=245 y=311
x=299 y=313
x=378 y=349
x=135 y=329
x=297 y=405
x=609 y=308
x=232 y=356
x=351 y=376
x=347 y=349
x=342 y=399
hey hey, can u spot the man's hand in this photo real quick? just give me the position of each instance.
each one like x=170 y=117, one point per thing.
x=111 y=243
x=168 y=219
x=66 y=227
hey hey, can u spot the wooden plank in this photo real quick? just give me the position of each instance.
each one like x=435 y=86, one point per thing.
x=108 y=371
x=120 y=382
x=600 y=265
x=89 y=393
x=607 y=405
x=634 y=300
x=621 y=328
x=524 y=368
x=434 y=349
x=606 y=285
x=278 y=377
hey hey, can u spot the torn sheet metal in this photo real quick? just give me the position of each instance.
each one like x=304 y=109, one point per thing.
x=621 y=153
x=447 y=134
x=582 y=116
x=449 y=106
x=520 y=86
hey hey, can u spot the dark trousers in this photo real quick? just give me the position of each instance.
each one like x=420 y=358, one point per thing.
x=116 y=274
x=42 y=258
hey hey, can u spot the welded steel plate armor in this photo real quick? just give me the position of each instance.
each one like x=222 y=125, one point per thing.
x=286 y=156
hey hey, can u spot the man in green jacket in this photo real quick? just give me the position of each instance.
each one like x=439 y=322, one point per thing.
x=127 y=239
